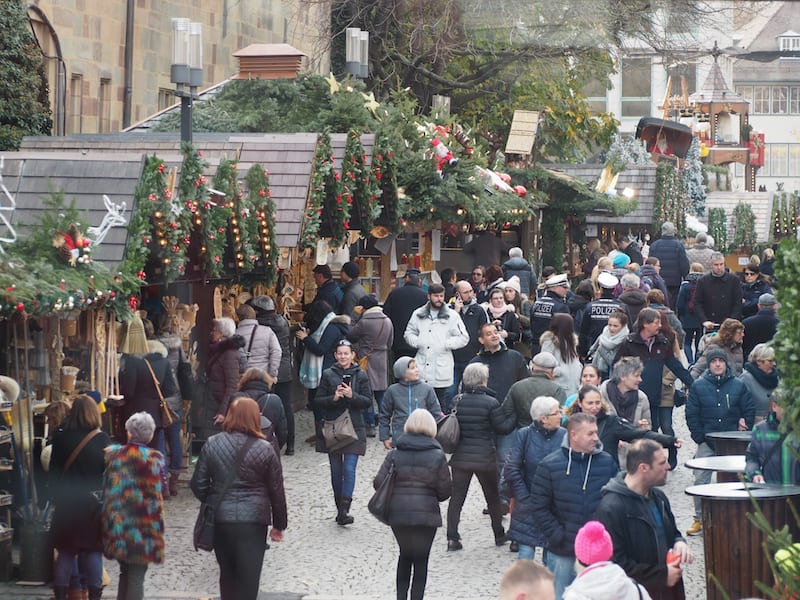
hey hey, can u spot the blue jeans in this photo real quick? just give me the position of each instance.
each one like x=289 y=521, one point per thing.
x=504 y=443
x=173 y=436
x=526 y=552
x=343 y=474
x=452 y=391
x=90 y=565
x=563 y=570
x=370 y=417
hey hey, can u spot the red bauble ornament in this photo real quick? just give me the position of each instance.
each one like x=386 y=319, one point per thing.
x=20 y=306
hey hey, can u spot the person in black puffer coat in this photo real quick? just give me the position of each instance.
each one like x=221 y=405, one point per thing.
x=257 y=384
x=422 y=480
x=335 y=396
x=254 y=500
x=266 y=315
x=480 y=419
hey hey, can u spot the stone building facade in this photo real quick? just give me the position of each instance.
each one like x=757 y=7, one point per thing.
x=108 y=61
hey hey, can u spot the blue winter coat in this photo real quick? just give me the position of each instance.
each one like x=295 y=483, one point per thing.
x=689 y=319
x=717 y=404
x=531 y=445
x=568 y=488
x=521 y=268
x=672 y=255
x=750 y=295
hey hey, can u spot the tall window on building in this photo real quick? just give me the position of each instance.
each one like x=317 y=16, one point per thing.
x=75 y=124
x=166 y=98
x=779 y=160
x=595 y=92
x=760 y=100
x=780 y=100
x=794 y=160
x=104 y=112
x=680 y=74
x=636 y=86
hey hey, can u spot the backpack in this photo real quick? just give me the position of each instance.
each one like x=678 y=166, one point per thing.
x=692 y=290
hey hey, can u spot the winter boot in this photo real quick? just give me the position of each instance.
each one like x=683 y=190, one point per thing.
x=95 y=593
x=60 y=592
x=343 y=518
x=338 y=500
x=173 y=483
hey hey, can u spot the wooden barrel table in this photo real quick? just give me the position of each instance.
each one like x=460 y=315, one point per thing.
x=729 y=442
x=728 y=468
x=731 y=543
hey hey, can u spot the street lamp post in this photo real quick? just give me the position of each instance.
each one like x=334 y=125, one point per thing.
x=186 y=70
x=357 y=52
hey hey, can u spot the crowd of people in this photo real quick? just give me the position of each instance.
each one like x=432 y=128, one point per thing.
x=564 y=402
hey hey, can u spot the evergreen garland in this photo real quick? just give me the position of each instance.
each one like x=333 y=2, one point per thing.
x=263 y=215
x=718 y=227
x=192 y=191
x=151 y=197
x=745 y=222
x=670 y=198
x=787 y=339
x=359 y=185
x=321 y=171
x=384 y=169
x=783 y=215
x=212 y=217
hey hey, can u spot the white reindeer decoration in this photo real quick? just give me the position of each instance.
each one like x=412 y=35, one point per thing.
x=10 y=235
x=113 y=218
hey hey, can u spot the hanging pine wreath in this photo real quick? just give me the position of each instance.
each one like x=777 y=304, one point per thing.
x=745 y=222
x=359 y=186
x=262 y=237
x=718 y=227
x=384 y=169
x=321 y=172
x=243 y=223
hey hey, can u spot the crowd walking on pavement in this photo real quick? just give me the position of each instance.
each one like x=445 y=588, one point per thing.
x=564 y=402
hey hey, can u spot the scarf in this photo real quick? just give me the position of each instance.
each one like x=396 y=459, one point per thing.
x=768 y=381
x=311 y=365
x=624 y=403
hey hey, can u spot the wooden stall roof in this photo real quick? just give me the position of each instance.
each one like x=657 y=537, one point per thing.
x=287 y=157
x=640 y=178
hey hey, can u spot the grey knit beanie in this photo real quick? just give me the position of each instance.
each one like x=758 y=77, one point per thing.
x=400 y=367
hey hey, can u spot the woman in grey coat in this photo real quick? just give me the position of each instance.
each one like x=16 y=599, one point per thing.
x=402 y=398
x=372 y=335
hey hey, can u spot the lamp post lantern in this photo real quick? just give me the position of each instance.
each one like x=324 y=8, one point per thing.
x=357 y=52
x=186 y=70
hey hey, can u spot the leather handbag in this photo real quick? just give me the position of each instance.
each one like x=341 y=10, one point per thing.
x=363 y=362
x=449 y=431
x=168 y=416
x=381 y=500
x=339 y=432
x=203 y=535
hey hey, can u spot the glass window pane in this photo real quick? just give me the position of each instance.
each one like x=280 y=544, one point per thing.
x=794 y=160
x=746 y=91
x=635 y=108
x=794 y=100
x=636 y=77
x=761 y=100
x=767 y=156
x=780 y=96
x=779 y=160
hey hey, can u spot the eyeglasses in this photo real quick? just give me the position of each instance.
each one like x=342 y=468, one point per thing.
x=746 y=273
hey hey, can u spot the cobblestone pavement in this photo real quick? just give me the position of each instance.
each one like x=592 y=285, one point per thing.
x=320 y=560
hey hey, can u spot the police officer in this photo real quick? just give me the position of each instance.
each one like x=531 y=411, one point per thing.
x=596 y=313
x=553 y=301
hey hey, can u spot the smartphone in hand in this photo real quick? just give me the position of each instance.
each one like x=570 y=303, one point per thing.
x=347 y=378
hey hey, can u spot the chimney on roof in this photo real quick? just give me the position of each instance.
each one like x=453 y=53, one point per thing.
x=269 y=61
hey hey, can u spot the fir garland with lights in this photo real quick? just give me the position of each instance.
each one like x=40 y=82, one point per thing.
x=211 y=216
x=242 y=221
x=718 y=227
x=359 y=186
x=150 y=196
x=670 y=198
x=784 y=223
x=745 y=222
x=384 y=170
x=321 y=171
x=262 y=236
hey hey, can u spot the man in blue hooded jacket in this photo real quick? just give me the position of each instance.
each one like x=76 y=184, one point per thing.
x=717 y=401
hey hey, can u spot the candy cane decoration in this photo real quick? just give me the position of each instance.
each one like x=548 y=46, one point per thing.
x=115 y=217
x=5 y=222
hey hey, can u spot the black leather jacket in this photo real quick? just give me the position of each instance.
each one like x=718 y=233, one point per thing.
x=256 y=494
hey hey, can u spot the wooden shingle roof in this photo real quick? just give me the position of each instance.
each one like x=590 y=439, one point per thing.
x=640 y=178
x=287 y=157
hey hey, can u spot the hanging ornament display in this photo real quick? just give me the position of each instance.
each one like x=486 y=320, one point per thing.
x=263 y=241
x=360 y=187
